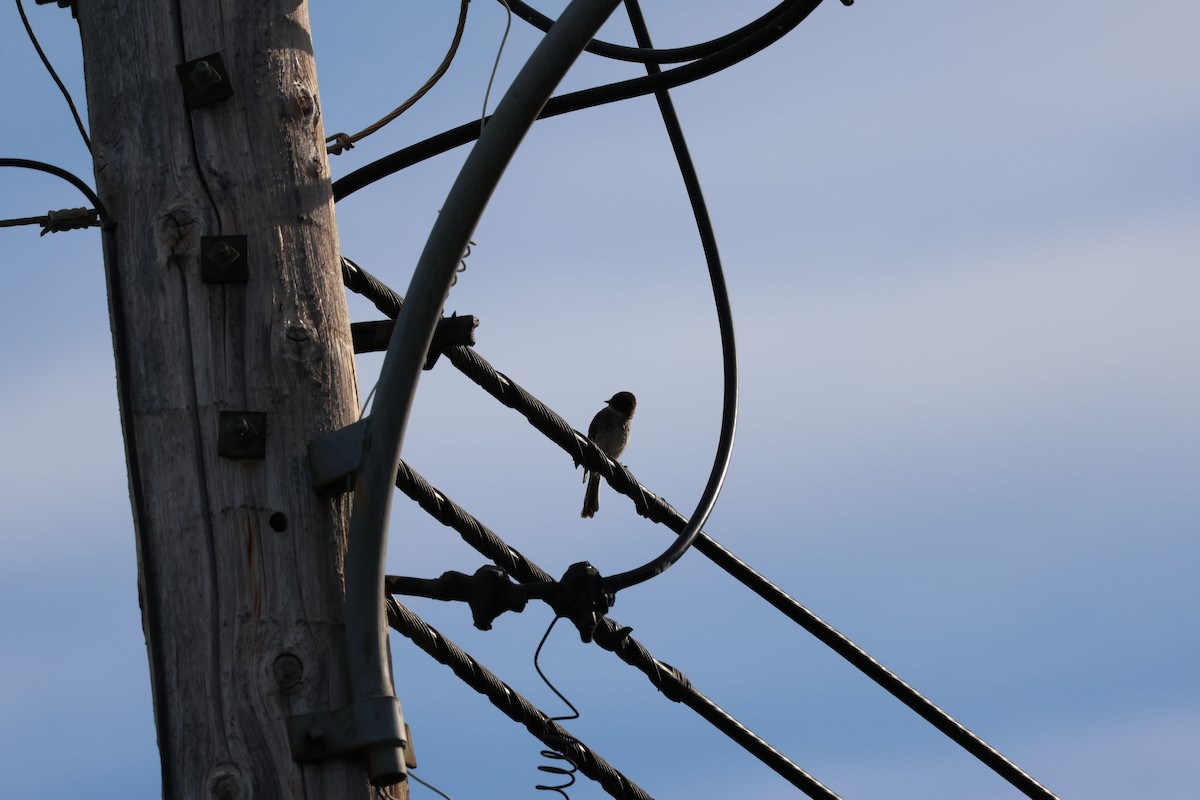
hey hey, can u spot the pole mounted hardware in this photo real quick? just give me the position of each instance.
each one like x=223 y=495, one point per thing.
x=329 y=734
x=70 y=219
x=488 y=592
x=223 y=259
x=451 y=331
x=205 y=80
x=61 y=4
x=373 y=724
x=579 y=596
x=334 y=458
x=242 y=434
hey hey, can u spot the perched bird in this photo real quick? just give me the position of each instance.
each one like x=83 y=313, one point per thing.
x=610 y=431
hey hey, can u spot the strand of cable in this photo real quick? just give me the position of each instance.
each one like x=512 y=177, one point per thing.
x=511 y=702
x=483 y=116
x=106 y=222
x=340 y=142
x=654 y=508
x=67 y=219
x=609 y=634
x=54 y=74
x=729 y=362
x=427 y=784
x=795 y=13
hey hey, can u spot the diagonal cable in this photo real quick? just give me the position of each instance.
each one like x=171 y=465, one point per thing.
x=508 y=700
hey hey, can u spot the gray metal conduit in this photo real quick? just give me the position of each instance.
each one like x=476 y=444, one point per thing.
x=366 y=617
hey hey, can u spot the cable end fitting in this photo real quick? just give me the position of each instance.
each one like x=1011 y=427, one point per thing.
x=580 y=597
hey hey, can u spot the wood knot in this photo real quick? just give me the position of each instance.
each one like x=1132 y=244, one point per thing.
x=225 y=782
x=299 y=344
x=288 y=671
x=178 y=233
x=304 y=103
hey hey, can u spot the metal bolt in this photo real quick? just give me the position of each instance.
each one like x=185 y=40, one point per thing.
x=244 y=429
x=223 y=253
x=204 y=76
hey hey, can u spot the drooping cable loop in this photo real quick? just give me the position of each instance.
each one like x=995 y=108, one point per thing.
x=729 y=363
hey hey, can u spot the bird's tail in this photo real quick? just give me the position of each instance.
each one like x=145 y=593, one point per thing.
x=591 y=498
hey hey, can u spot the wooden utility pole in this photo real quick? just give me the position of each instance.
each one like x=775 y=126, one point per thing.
x=233 y=351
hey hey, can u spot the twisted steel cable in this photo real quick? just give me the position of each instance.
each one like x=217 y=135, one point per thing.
x=511 y=702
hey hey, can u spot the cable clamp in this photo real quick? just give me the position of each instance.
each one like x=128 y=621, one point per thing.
x=335 y=457
x=451 y=331
x=489 y=592
x=368 y=724
x=70 y=219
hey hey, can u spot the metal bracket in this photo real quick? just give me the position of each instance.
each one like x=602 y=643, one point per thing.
x=70 y=219
x=334 y=457
x=205 y=80
x=242 y=434
x=368 y=723
x=61 y=4
x=223 y=259
x=451 y=331
x=489 y=592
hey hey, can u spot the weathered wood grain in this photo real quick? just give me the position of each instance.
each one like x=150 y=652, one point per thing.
x=239 y=560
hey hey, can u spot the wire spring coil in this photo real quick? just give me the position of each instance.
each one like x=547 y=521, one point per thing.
x=567 y=773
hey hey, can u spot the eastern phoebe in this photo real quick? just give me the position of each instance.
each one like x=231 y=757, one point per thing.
x=610 y=432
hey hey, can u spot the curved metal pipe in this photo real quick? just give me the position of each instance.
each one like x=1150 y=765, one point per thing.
x=366 y=618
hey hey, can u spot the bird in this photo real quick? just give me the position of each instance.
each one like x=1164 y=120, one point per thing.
x=610 y=432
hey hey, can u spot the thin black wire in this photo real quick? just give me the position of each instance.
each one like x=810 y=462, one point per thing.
x=716 y=274
x=740 y=50
x=551 y=769
x=58 y=221
x=59 y=172
x=511 y=702
x=427 y=784
x=339 y=142
x=50 y=68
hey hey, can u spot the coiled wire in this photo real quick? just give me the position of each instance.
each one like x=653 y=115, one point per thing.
x=566 y=773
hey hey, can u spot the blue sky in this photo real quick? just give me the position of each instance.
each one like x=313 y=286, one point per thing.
x=961 y=241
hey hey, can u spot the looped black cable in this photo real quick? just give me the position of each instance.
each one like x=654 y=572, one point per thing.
x=729 y=397
x=41 y=166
